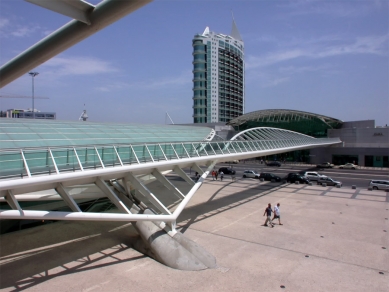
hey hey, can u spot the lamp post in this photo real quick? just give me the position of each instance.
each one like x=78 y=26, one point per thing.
x=33 y=74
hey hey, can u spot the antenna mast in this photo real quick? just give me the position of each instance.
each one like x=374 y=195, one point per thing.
x=168 y=116
x=84 y=115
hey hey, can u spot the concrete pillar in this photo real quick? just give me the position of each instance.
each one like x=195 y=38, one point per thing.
x=177 y=252
x=361 y=159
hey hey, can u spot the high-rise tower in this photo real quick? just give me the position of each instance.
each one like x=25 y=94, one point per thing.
x=218 y=76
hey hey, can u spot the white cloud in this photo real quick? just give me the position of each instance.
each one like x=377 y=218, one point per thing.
x=173 y=81
x=8 y=29
x=295 y=69
x=339 y=9
x=274 y=82
x=323 y=48
x=23 y=31
x=79 y=66
x=3 y=23
x=184 y=78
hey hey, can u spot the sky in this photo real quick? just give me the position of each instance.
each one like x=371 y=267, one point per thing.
x=325 y=57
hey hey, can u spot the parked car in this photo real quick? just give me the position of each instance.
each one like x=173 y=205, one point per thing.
x=380 y=184
x=273 y=163
x=227 y=170
x=325 y=165
x=349 y=166
x=329 y=181
x=313 y=175
x=232 y=162
x=269 y=176
x=293 y=177
x=251 y=173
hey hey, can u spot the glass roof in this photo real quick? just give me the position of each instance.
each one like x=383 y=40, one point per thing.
x=26 y=133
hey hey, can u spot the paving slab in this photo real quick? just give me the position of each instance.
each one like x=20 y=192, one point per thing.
x=331 y=240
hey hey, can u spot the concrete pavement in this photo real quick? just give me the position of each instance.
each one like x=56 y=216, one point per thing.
x=332 y=240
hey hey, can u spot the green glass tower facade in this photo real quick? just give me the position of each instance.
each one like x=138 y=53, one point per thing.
x=218 y=76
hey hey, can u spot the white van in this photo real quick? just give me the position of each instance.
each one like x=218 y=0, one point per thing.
x=380 y=184
x=313 y=175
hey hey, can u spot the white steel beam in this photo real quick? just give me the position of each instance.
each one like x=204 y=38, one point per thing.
x=197 y=168
x=117 y=154
x=11 y=200
x=126 y=201
x=104 y=14
x=25 y=163
x=147 y=193
x=193 y=190
x=52 y=158
x=98 y=155
x=112 y=196
x=78 y=159
x=183 y=175
x=161 y=178
x=67 y=198
x=86 y=216
x=76 y=9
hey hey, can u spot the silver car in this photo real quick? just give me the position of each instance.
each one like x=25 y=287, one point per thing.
x=313 y=175
x=251 y=173
x=380 y=184
x=329 y=181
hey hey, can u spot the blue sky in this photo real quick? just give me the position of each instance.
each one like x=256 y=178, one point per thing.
x=325 y=57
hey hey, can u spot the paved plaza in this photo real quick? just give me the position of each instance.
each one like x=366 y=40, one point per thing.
x=332 y=239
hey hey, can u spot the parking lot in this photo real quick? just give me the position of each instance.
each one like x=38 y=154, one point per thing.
x=349 y=177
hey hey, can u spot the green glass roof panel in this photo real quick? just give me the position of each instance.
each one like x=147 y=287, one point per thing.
x=25 y=133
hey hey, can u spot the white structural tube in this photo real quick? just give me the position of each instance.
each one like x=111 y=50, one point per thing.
x=104 y=14
x=83 y=216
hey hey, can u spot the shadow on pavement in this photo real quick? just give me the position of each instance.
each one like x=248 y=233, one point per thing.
x=225 y=203
x=33 y=256
x=58 y=249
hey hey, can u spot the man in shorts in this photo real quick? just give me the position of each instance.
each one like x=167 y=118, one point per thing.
x=268 y=212
x=277 y=214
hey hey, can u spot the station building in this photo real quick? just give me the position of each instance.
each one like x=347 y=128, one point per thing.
x=364 y=143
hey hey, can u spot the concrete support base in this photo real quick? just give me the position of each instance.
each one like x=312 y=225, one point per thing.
x=177 y=252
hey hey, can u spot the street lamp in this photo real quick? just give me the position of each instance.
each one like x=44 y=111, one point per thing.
x=33 y=74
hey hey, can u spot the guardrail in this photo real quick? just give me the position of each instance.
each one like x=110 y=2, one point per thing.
x=30 y=162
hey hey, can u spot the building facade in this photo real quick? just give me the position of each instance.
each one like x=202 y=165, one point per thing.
x=218 y=76
x=311 y=124
x=28 y=114
x=363 y=144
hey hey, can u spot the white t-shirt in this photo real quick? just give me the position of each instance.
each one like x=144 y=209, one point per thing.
x=276 y=210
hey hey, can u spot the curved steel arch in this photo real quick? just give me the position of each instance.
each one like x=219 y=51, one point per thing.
x=279 y=114
x=271 y=133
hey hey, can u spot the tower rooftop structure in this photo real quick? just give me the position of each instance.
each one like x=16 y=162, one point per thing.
x=218 y=76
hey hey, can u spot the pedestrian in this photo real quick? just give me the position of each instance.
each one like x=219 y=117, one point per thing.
x=197 y=176
x=268 y=212
x=213 y=175
x=221 y=175
x=277 y=214
x=216 y=174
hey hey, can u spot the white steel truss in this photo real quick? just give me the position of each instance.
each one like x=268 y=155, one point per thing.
x=117 y=171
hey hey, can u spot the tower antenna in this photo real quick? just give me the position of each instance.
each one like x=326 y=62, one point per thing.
x=168 y=116
x=84 y=115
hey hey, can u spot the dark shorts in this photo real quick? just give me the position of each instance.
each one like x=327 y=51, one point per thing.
x=277 y=217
